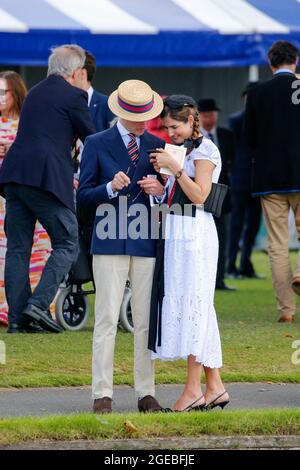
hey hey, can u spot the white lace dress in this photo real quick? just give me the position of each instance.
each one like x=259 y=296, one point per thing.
x=189 y=323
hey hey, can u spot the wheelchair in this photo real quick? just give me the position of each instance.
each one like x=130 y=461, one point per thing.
x=71 y=304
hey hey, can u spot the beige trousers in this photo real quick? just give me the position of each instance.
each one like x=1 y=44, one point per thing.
x=276 y=211
x=111 y=273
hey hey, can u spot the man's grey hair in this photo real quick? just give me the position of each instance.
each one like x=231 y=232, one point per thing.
x=65 y=59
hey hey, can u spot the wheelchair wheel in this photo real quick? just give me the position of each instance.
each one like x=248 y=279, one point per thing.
x=71 y=309
x=125 y=319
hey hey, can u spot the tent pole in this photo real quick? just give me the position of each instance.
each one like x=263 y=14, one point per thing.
x=253 y=73
x=23 y=72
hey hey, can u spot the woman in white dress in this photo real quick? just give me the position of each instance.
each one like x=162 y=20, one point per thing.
x=183 y=321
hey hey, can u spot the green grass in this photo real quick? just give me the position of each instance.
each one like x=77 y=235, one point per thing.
x=255 y=346
x=87 y=426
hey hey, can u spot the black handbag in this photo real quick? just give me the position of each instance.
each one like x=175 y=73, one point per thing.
x=213 y=203
x=215 y=199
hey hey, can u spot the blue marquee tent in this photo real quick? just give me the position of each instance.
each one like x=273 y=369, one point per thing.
x=187 y=33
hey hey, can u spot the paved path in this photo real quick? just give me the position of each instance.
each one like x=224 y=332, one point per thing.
x=193 y=444
x=63 y=400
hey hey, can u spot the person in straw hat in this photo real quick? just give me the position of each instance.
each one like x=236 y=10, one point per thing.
x=116 y=173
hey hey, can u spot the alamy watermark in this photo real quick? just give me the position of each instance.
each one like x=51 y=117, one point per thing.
x=296 y=94
x=295 y=359
x=2 y=353
x=137 y=221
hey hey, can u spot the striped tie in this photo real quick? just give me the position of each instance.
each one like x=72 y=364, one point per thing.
x=133 y=150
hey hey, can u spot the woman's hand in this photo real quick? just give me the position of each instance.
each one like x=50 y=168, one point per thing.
x=2 y=150
x=164 y=160
x=8 y=145
x=151 y=186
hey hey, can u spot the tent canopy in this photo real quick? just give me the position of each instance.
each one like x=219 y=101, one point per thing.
x=187 y=33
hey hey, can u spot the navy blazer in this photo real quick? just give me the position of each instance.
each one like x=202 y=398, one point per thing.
x=103 y=156
x=100 y=112
x=242 y=165
x=52 y=114
x=272 y=124
x=226 y=146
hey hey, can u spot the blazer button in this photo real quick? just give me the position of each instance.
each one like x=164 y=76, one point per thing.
x=128 y=195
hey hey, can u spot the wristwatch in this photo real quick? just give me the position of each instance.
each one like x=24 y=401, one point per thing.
x=178 y=174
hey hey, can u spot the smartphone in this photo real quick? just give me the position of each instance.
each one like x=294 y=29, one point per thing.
x=152 y=151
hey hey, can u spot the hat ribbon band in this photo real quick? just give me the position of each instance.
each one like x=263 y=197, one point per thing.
x=136 y=108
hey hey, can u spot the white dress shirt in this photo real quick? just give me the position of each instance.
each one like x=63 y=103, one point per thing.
x=90 y=92
x=284 y=71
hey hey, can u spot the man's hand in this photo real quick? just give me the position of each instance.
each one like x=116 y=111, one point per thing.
x=154 y=162
x=151 y=186
x=120 y=181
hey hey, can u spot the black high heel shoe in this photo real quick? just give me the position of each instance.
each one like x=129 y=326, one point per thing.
x=166 y=410
x=194 y=408
x=211 y=405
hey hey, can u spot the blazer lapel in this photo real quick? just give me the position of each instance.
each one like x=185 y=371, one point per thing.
x=118 y=152
x=117 y=149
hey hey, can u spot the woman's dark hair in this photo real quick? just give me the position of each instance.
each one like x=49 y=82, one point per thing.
x=283 y=52
x=90 y=65
x=180 y=107
x=17 y=87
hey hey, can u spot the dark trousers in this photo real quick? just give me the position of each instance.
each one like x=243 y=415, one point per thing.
x=222 y=226
x=245 y=221
x=24 y=206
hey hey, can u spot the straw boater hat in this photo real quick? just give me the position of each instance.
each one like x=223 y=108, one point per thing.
x=134 y=100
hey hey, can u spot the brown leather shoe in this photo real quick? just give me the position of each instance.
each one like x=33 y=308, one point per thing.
x=102 y=405
x=296 y=285
x=149 y=404
x=286 y=319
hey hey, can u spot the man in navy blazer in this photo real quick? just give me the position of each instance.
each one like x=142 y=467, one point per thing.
x=36 y=179
x=115 y=181
x=272 y=122
x=97 y=102
x=224 y=140
x=245 y=210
